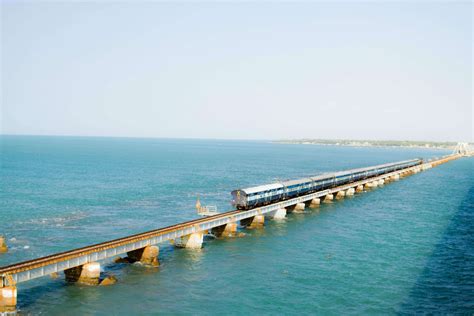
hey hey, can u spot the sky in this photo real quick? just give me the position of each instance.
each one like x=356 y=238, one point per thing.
x=238 y=70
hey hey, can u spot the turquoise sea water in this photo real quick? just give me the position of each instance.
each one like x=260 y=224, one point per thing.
x=401 y=249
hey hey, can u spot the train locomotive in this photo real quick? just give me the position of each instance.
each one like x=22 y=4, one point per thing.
x=244 y=199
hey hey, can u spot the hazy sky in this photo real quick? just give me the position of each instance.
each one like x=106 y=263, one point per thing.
x=238 y=70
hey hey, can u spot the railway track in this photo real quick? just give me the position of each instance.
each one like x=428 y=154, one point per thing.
x=66 y=261
x=36 y=263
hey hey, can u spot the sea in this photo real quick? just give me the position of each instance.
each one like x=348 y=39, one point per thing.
x=401 y=249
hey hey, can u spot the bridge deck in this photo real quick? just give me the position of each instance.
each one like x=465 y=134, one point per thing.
x=27 y=270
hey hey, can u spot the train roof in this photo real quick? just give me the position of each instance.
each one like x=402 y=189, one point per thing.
x=287 y=183
x=322 y=176
x=372 y=167
x=297 y=181
x=260 y=188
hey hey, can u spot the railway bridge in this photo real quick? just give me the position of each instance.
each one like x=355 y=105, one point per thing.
x=83 y=264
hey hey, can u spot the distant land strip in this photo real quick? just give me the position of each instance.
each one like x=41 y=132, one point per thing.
x=371 y=143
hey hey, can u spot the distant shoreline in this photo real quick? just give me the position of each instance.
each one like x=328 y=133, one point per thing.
x=363 y=143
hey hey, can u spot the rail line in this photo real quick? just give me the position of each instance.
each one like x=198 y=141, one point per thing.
x=34 y=263
x=27 y=270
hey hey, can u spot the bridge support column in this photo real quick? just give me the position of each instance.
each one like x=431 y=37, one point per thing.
x=3 y=244
x=192 y=241
x=298 y=207
x=328 y=198
x=395 y=177
x=359 y=189
x=8 y=300
x=227 y=230
x=350 y=192
x=381 y=182
x=375 y=184
x=278 y=214
x=147 y=255
x=340 y=195
x=257 y=221
x=88 y=273
x=315 y=202
x=426 y=166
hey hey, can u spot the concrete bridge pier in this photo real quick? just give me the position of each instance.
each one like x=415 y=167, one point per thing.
x=258 y=221
x=426 y=166
x=278 y=214
x=191 y=241
x=3 y=244
x=328 y=198
x=359 y=189
x=375 y=184
x=350 y=192
x=8 y=296
x=227 y=230
x=147 y=255
x=88 y=273
x=340 y=195
x=395 y=177
x=315 y=202
x=297 y=208
x=381 y=182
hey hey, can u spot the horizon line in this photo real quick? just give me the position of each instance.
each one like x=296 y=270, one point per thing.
x=232 y=139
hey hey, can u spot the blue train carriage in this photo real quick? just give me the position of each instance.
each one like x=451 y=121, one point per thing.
x=320 y=182
x=266 y=194
x=294 y=188
x=260 y=195
x=342 y=177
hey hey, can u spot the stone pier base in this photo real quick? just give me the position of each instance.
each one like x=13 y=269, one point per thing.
x=315 y=202
x=8 y=300
x=228 y=230
x=426 y=166
x=88 y=273
x=340 y=195
x=350 y=192
x=257 y=221
x=279 y=214
x=147 y=255
x=192 y=241
x=359 y=189
x=328 y=198
x=381 y=182
x=299 y=208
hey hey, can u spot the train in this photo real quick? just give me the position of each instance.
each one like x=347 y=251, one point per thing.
x=244 y=199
